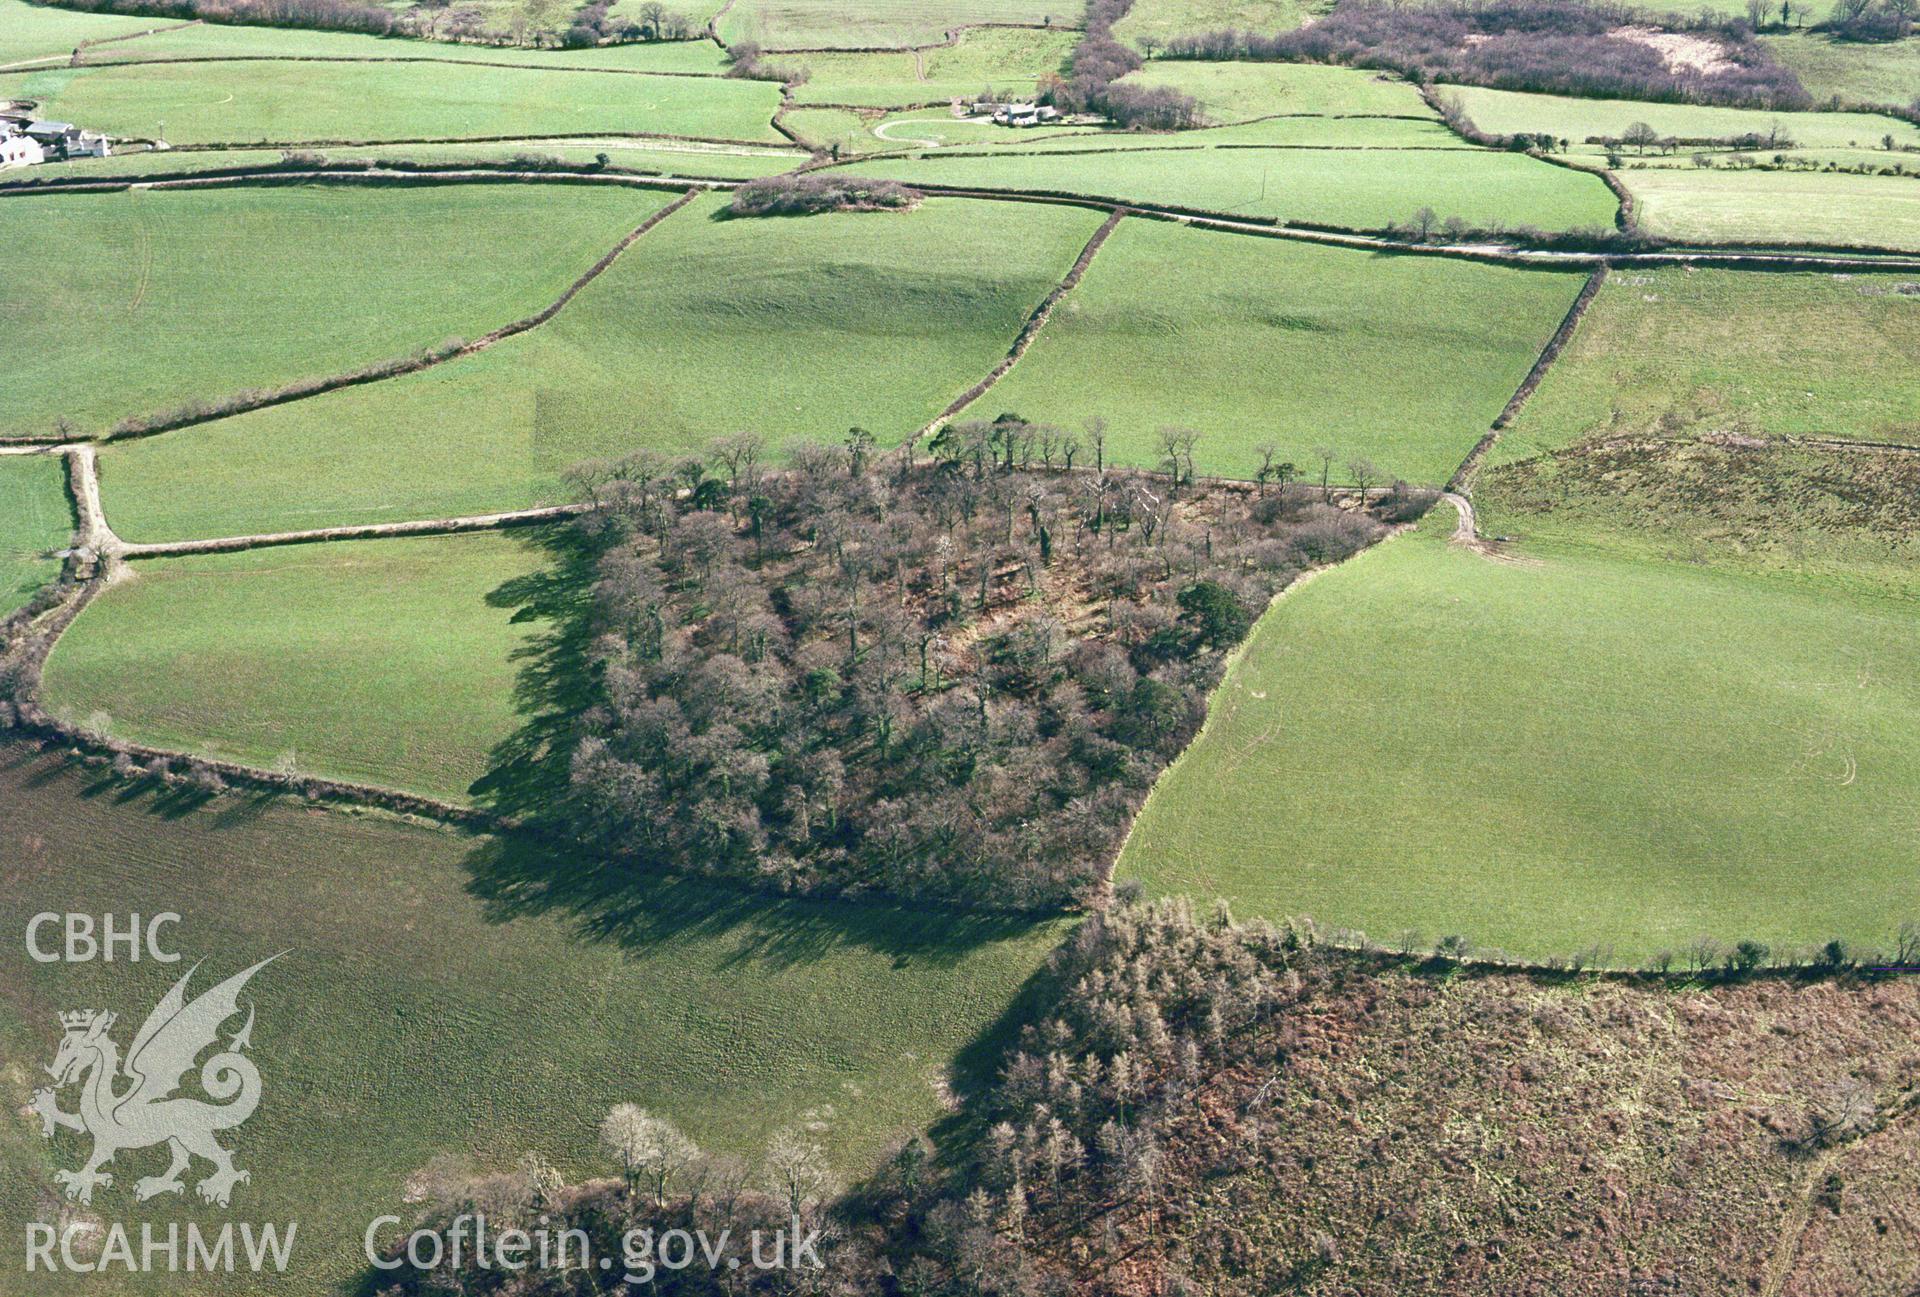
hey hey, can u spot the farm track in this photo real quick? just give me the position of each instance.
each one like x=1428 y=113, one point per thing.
x=1466 y=534
x=83 y=480
x=1794 y=1228
x=1467 y=530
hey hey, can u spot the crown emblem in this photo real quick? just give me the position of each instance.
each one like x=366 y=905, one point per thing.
x=79 y=1020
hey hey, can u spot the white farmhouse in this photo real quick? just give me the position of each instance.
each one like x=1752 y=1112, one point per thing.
x=17 y=150
x=65 y=140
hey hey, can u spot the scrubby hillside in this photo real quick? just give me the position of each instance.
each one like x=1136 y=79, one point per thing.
x=1207 y=1108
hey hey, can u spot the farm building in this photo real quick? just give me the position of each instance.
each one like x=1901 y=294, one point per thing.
x=17 y=150
x=1025 y=114
x=65 y=140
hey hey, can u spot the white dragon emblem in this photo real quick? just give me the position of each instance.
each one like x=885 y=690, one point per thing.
x=146 y=1112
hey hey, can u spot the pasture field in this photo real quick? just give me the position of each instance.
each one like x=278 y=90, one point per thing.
x=1505 y=112
x=36 y=32
x=1235 y=92
x=1306 y=134
x=822 y=128
x=160 y=297
x=1159 y=20
x=666 y=157
x=1855 y=72
x=1697 y=206
x=1583 y=751
x=268 y=101
x=1829 y=161
x=35 y=519
x=143 y=162
x=1348 y=188
x=1332 y=134
x=380 y=662
x=410 y=1018
x=1677 y=351
x=1405 y=361
x=797 y=329
x=861 y=24
x=214 y=41
x=1009 y=60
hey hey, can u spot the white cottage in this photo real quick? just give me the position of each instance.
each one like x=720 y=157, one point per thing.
x=19 y=151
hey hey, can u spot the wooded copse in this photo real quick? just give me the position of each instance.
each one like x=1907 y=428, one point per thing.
x=1092 y=83
x=954 y=679
x=807 y=195
x=1551 y=46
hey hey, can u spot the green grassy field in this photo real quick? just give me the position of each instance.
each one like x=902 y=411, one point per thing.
x=427 y=1005
x=1161 y=19
x=208 y=40
x=376 y=661
x=1506 y=111
x=1305 y=137
x=793 y=328
x=1403 y=360
x=1009 y=60
x=35 y=519
x=1593 y=750
x=1355 y=189
x=1856 y=72
x=1693 y=205
x=822 y=128
x=841 y=24
x=292 y=102
x=1716 y=350
x=665 y=157
x=140 y=301
x=30 y=31
x=1237 y=91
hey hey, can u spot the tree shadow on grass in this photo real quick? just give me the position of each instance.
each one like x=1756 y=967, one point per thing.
x=175 y=801
x=631 y=903
x=526 y=777
x=637 y=908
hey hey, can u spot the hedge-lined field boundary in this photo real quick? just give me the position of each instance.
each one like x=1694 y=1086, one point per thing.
x=1031 y=329
x=378 y=58
x=245 y=402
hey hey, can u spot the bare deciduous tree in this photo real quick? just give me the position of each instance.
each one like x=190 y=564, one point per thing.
x=647 y=1148
x=796 y=1168
x=1096 y=429
x=1325 y=455
x=1364 y=475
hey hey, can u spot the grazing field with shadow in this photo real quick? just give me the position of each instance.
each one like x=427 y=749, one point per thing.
x=448 y=995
